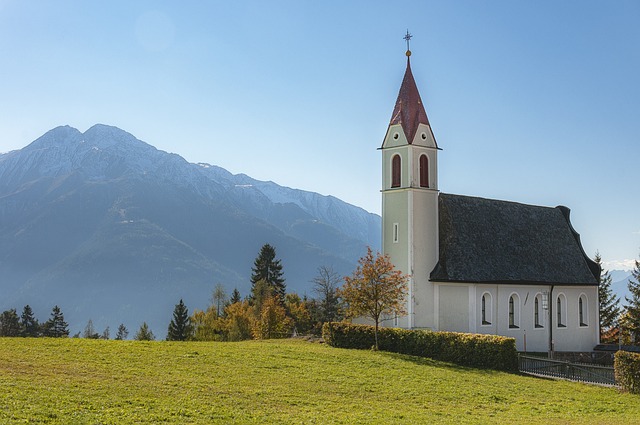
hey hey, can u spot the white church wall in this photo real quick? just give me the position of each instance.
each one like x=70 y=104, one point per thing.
x=575 y=336
x=453 y=308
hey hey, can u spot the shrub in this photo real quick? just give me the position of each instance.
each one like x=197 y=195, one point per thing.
x=627 y=368
x=475 y=350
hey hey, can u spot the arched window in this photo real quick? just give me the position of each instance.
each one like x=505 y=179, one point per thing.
x=537 y=321
x=395 y=171
x=561 y=311
x=486 y=309
x=582 y=310
x=424 y=171
x=514 y=311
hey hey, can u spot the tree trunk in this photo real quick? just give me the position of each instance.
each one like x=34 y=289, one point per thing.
x=376 y=335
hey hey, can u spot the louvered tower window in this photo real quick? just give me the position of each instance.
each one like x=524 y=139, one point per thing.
x=396 y=168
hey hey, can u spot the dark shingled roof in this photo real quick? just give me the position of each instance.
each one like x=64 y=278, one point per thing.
x=485 y=240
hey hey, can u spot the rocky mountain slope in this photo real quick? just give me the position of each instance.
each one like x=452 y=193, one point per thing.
x=112 y=229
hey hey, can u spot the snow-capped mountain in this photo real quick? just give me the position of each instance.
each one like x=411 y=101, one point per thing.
x=115 y=230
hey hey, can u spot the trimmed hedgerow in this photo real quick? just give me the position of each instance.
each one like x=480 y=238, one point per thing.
x=475 y=350
x=627 y=368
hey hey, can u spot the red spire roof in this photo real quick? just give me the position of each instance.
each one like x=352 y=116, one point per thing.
x=409 y=111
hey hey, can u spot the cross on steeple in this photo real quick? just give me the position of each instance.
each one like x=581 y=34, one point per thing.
x=407 y=37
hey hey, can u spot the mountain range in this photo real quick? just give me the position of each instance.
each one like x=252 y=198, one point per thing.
x=114 y=230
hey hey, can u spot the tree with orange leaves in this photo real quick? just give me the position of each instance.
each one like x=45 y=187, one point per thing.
x=374 y=289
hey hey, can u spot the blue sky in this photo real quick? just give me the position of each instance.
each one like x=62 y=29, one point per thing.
x=534 y=102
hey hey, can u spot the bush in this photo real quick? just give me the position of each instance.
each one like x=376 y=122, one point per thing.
x=627 y=368
x=475 y=350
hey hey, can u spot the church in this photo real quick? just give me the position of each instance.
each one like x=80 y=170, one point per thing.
x=480 y=265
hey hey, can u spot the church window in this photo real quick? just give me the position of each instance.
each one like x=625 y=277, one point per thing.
x=423 y=135
x=486 y=309
x=514 y=305
x=424 y=171
x=582 y=310
x=395 y=171
x=536 y=312
x=395 y=232
x=561 y=311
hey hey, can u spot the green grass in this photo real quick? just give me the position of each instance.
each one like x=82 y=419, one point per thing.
x=77 y=381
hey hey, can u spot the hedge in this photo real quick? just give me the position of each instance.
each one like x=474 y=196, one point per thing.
x=474 y=350
x=627 y=369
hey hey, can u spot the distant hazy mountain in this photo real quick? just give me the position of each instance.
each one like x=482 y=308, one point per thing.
x=620 y=279
x=112 y=229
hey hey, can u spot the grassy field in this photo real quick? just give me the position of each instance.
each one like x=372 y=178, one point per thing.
x=78 y=381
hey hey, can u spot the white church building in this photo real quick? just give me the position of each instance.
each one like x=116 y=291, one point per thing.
x=480 y=265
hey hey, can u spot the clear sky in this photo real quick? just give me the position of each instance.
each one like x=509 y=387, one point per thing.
x=534 y=102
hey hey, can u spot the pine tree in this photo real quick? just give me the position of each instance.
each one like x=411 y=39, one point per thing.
x=106 y=333
x=144 y=333
x=609 y=305
x=266 y=267
x=122 y=333
x=29 y=326
x=633 y=304
x=9 y=323
x=56 y=327
x=180 y=326
x=90 y=331
x=235 y=297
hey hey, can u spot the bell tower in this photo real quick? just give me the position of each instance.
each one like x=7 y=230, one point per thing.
x=410 y=200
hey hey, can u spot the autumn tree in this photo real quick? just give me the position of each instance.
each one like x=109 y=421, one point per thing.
x=29 y=326
x=633 y=304
x=273 y=321
x=374 y=289
x=207 y=325
x=609 y=305
x=325 y=285
x=239 y=319
x=144 y=333
x=180 y=326
x=56 y=327
x=297 y=309
x=269 y=269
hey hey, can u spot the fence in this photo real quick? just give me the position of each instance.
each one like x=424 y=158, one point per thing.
x=580 y=372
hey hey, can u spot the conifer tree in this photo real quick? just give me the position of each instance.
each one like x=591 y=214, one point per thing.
x=90 y=331
x=633 y=304
x=180 y=326
x=122 y=333
x=144 y=333
x=609 y=305
x=29 y=326
x=9 y=323
x=266 y=267
x=235 y=297
x=56 y=327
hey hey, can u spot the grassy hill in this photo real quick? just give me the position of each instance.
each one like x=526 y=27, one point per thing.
x=77 y=381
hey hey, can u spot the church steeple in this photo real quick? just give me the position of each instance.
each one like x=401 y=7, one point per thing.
x=410 y=199
x=409 y=111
